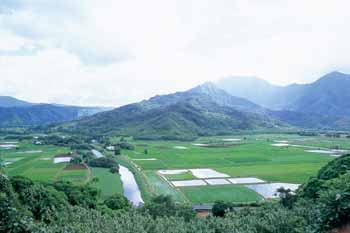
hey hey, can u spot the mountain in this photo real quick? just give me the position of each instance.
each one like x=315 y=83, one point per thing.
x=16 y=113
x=328 y=96
x=260 y=91
x=7 y=101
x=203 y=110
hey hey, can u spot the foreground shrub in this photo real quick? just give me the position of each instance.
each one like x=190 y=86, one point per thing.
x=117 y=202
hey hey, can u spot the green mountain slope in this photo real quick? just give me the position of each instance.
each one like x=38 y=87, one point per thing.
x=178 y=116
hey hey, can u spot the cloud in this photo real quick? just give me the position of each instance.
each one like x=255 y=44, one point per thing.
x=61 y=24
x=113 y=52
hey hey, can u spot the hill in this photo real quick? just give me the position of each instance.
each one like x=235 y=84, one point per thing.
x=41 y=114
x=203 y=110
x=8 y=101
x=18 y=113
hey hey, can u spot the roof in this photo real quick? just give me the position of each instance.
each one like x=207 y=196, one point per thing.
x=202 y=207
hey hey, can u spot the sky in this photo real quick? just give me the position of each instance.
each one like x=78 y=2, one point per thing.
x=114 y=52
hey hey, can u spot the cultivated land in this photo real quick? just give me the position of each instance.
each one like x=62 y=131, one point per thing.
x=36 y=163
x=107 y=182
x=253 y=156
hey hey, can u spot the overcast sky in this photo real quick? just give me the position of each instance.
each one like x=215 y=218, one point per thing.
x=113 y=52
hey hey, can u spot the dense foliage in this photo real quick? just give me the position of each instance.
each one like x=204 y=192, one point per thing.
x=103 y=162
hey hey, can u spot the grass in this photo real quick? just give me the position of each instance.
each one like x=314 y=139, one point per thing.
x=108 y=183
x=75 y=176
x=231 y=193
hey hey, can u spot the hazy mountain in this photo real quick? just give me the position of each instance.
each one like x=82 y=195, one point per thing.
x=260 y=91
x=330 y=95
x=203 y=110
x=14 y=112
x=7 y=101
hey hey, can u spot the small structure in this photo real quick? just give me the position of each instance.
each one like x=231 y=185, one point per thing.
x=202 y=210
x=110 y=148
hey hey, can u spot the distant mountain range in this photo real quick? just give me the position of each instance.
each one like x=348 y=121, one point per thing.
x=328 y=96
x=227 y=106
x=15 y=112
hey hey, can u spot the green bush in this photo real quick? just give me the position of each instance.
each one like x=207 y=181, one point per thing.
x=103 y=162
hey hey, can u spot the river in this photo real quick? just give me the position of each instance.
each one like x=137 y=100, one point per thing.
x=131 y=189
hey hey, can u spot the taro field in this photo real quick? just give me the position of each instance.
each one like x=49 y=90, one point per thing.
x=239 y=169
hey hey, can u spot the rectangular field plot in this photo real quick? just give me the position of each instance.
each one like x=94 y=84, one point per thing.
x=270 y=190
x=217 y=181
x=247 y=180
x=290 y=173
x=185 y=183
x=182 y=176
x=108 y=183
x=207 y=173
x=210 y=194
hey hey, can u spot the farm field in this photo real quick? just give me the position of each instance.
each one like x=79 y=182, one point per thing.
x=272 y=158
x=237 y=156
x=107 y=182
x=36 y=163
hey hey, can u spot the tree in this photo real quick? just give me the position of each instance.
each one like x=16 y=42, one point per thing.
x=145 y=152
x=334 y=203
x=287 y=199
x=117 y=150
x=164 y=206
x=103 y=162
x=117 y=202
x=2 y=165
x=220 y=208
x=42 y=201
x=114 y=169
x=335 y=168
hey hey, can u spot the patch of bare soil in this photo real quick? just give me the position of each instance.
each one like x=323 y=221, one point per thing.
x=75 y=167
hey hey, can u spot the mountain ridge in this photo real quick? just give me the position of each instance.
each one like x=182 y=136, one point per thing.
x=198 y=111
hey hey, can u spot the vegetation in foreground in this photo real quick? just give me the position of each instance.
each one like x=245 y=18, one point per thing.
x=321 y=205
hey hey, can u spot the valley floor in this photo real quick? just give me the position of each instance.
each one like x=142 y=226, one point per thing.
x=239 y=169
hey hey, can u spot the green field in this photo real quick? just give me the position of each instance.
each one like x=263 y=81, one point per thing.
x=231 y=193
x=108 y=182
x=40 y=166
x=253 y=156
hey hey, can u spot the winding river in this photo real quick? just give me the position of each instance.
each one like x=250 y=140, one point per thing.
x=131 y=189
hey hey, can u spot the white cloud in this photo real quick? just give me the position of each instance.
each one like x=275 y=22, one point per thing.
x=114 y=52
